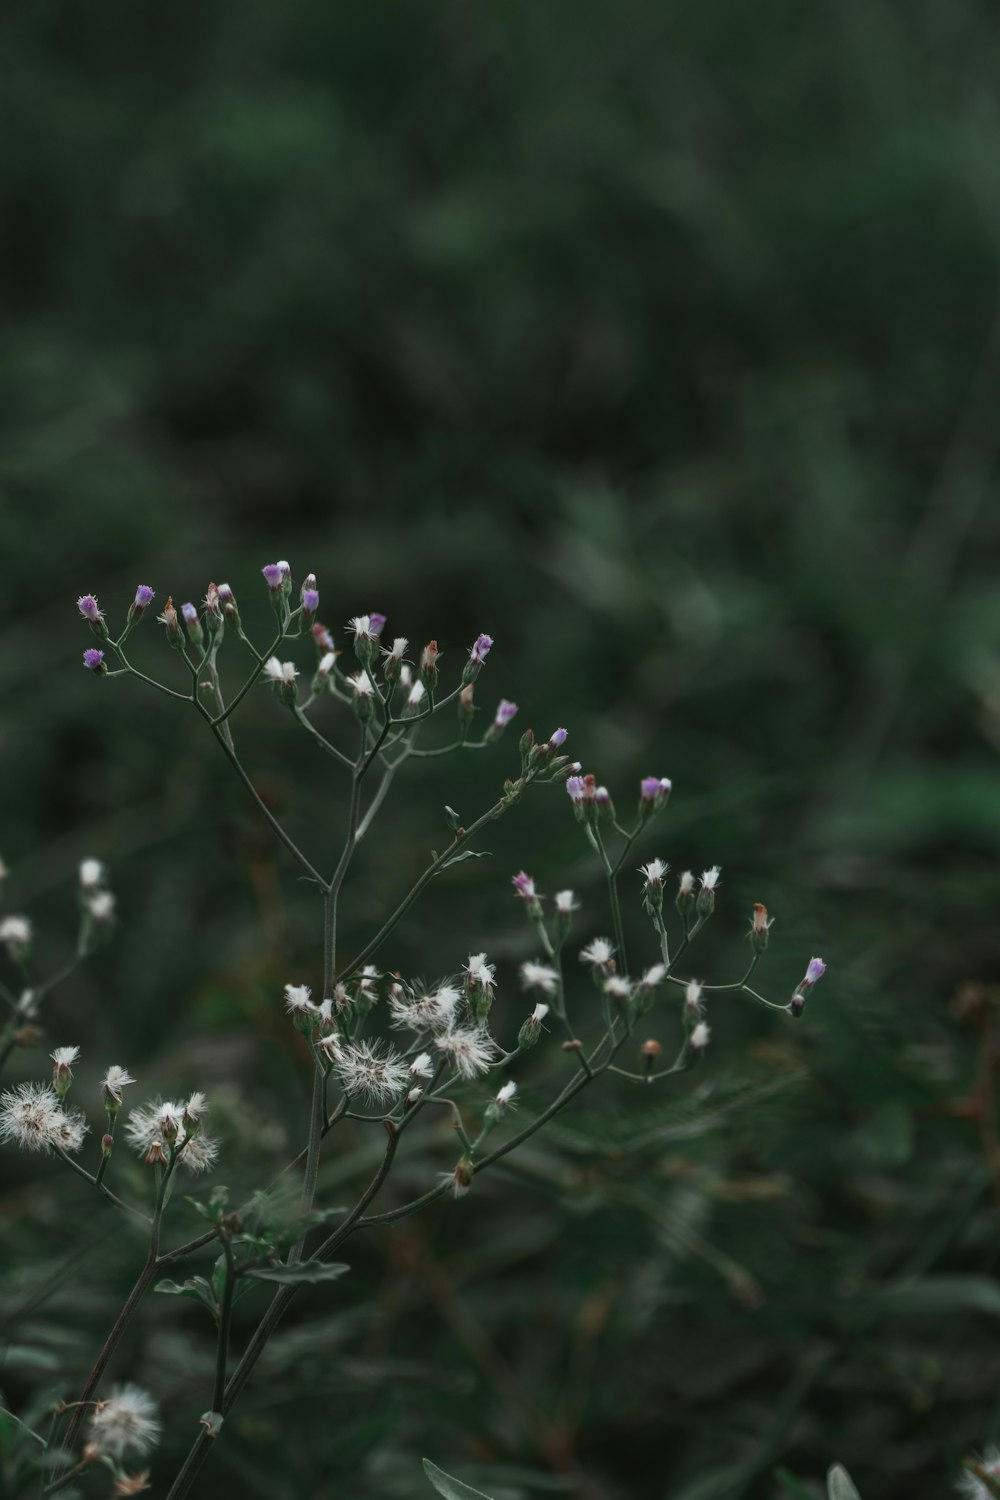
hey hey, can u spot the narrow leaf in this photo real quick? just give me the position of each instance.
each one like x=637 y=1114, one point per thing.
x=304 y=1271
x=839 y=1485
x=451 y=1489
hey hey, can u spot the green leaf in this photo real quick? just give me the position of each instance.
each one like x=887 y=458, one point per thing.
x=451 y=1489
x=456 y=859
x=452 y=818
x=196 y=1289
x=305 y=1271
x=942 y=1296
x=839 y=1485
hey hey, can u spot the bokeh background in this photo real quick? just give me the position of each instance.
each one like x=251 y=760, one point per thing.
x=662 y=342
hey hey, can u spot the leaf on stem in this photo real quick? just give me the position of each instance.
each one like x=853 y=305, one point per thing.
x=451 y=1489
x=304 y=1271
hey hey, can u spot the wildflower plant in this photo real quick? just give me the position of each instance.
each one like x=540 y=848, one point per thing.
x=385 y=1049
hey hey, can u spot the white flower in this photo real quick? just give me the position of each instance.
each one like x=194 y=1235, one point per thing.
x=159 y=1120
x=28 y=1115
x=297 y=1001
x=653 y=977
x=405 y=675
x=599 y=953
x=362 y=685
x=362 y=627
x=15 y=933
x=330 y=1045
x=539 y=1013
x=460 y=1180
x=68 y=1130
x=324 y=1014
x=470 y=1051
x=65 y=1057
x=433 y=1012
x=505 y=1095
x=280 y=671
x=480 y=972
x=535 y=976
x=617 y=986
x=91 y=874
x=566 y=903
x=198 y=1153
x=686 y=883
x=326 y=663
x=417 y=695
x=970 y=1486
x=399 y=646
x=700 y=1035
x=654 y=871
x=414 y=1095
x=114 y=1081
x=692 y=997
x=125 y=1424
x=365 y=1069
x=101 y=907
x=710 y=878
x=422 y=1066
x=177 y=1124
x=195 y=1107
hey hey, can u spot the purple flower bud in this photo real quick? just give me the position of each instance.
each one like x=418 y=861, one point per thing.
x=558 y=737
x=816 y=970
x=273 y=576
x=481 y=649
x=505 y=712
x=190 y=614
x=649 y=788
x=376 y=624
x=574 y=785
x=524 y=887
x=144 y=596
x=87 y=605
x=93 y=660
x=602 y=797
x=225 y=593
x=310 y=601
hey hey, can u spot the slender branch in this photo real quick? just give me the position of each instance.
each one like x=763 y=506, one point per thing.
x=225 y=1322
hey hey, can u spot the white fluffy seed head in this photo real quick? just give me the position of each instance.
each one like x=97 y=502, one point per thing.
x=598 y=953
x=30 y=1116
x=379 y=1075
x=469 y=1050
x=126 y=1424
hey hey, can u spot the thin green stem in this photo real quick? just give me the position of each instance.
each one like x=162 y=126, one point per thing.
x=225 y=1322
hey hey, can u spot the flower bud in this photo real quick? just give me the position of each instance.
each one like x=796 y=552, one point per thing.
x=466 y=707
x=309 y=597
x=88 y=607
x=531 y=1029
x=213 y=611
x=144 y=597
x=478 y=653
x=650 y=1051
x=107 y=1144
x=653 y=794
x=428 y=664
x=706 y=896
x=192 y=625
x=505 y=711
x=760 y=925
x=229 y=606
x=94 y=661
x=169 y=620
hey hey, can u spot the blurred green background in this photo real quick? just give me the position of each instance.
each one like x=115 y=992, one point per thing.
x=662 y=342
